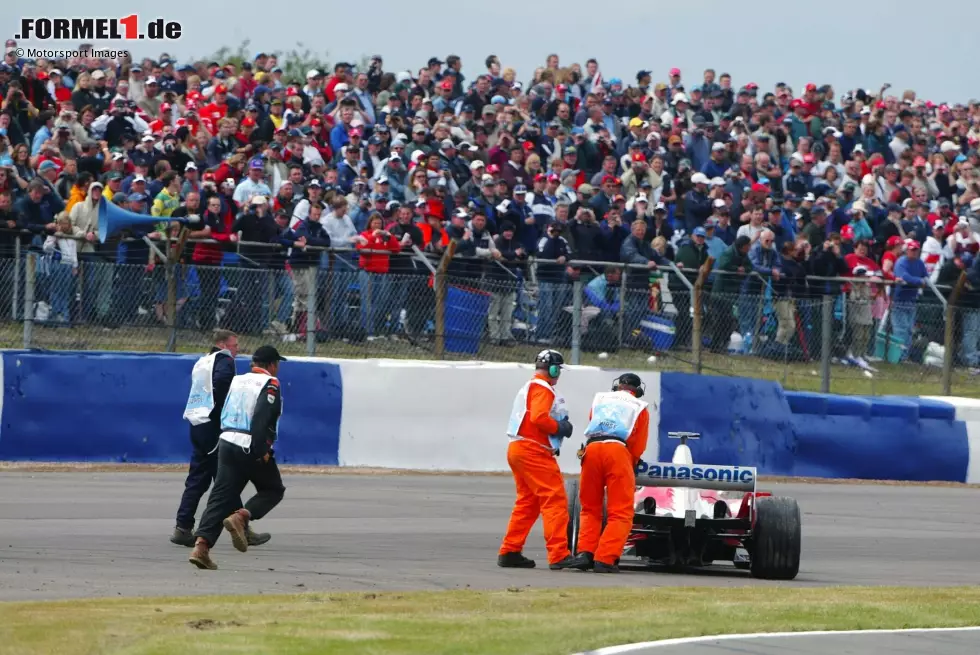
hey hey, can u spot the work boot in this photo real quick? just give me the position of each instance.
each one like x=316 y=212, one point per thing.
x=600 y=567
x=566 y=563
x=237 y=525
x=201 y=556
x=256 y=538
x=583 y=561
x=514 y=561
x=182 y=537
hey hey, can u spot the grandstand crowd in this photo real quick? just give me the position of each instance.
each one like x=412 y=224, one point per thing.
x=548 y=177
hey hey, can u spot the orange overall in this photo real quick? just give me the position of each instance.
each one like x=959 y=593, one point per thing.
x=540 y=486
x=609 y=466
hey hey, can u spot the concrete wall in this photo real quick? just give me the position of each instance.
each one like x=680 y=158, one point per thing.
x=452 y=416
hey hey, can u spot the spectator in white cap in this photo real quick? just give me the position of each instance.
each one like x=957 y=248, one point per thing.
x=934 y=249
x=963 y=239
x=697 y=205
x=723 y=223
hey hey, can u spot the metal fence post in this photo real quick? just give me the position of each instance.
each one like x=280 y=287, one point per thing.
x=826 y=324
x=622 y=303
x=29 y=280
x=170 y=270
x=577 y=322
x=311 y=298
x=15 y=297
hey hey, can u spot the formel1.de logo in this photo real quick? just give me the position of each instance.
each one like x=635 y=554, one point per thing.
x=127 y=28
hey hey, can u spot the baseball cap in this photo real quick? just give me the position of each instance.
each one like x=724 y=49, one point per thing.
x=255 y=163
x=699 y=232
x=717 y=146
x=136 y=197
x=912 y=244
x=267 y=355
x=258 y=200
x=700 y=178
x=520 y=188
x=718 y=203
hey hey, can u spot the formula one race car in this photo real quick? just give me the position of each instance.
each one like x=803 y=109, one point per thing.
x=688 y=515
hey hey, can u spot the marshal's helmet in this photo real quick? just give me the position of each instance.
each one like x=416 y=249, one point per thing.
x=550 y=361
x=631 y=380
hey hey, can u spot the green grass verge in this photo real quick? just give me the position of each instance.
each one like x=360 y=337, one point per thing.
x=902 y=379
x=559 y=621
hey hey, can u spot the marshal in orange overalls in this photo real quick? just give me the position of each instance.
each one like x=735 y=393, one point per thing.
x=540 y=486
x=610 y=460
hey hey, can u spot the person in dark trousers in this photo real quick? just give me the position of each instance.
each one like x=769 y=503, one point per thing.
x=210 y=380
x=249 y=429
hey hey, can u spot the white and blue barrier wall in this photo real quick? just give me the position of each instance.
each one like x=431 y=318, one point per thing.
x=68 y=406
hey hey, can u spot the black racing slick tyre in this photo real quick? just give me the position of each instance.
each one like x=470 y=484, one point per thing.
x=574 y=510
x=777 y=539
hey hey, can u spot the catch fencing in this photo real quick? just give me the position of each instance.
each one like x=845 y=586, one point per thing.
x=823 y=334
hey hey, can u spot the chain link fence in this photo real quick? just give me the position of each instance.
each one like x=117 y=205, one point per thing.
x=837 y=336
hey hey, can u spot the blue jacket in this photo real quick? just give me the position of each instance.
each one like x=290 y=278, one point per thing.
x=913 y=272
x=715 y=169
x=552 y=248
x=698 y=151
x=637 y=251
x=338 y=137
x=316 y=235
x=597 y=293
x=764 y=260
x=613 y=238
x=918 y=228
x=697 y=209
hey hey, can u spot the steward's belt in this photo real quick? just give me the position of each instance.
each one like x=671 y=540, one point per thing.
x=602 y=437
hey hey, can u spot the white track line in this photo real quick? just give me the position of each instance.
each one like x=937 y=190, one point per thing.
x=632 y=648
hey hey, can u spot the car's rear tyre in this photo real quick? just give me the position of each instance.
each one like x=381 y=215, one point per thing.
x=777 y=539
x=574 y=510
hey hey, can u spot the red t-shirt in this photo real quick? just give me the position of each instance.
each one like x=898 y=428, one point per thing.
x=376 y=262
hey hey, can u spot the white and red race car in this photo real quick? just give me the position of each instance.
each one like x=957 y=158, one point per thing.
x=692 y=515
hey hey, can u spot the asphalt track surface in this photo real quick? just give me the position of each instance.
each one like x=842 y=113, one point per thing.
x=898 y=643
x=71 y=535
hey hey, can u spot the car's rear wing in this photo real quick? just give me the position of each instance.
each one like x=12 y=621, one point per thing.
x=698 y=476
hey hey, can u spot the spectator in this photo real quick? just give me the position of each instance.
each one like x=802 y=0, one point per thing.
x=410 y=289
x=733 y=265
x=866 y=299
x=253 y=185
x=308 y=234
x=553 y=291
x=62 y=246
x=910 y=273
x=786 y=290
x=636 y=250
x=343 y=234
x=697 y=204
x=503 y=273
x=604 y=294
x=207 y=260
x=893 y=250
x=376 y=244
x=933 y=250
x=254 y=225
x=968 y=305
x=37 y=209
